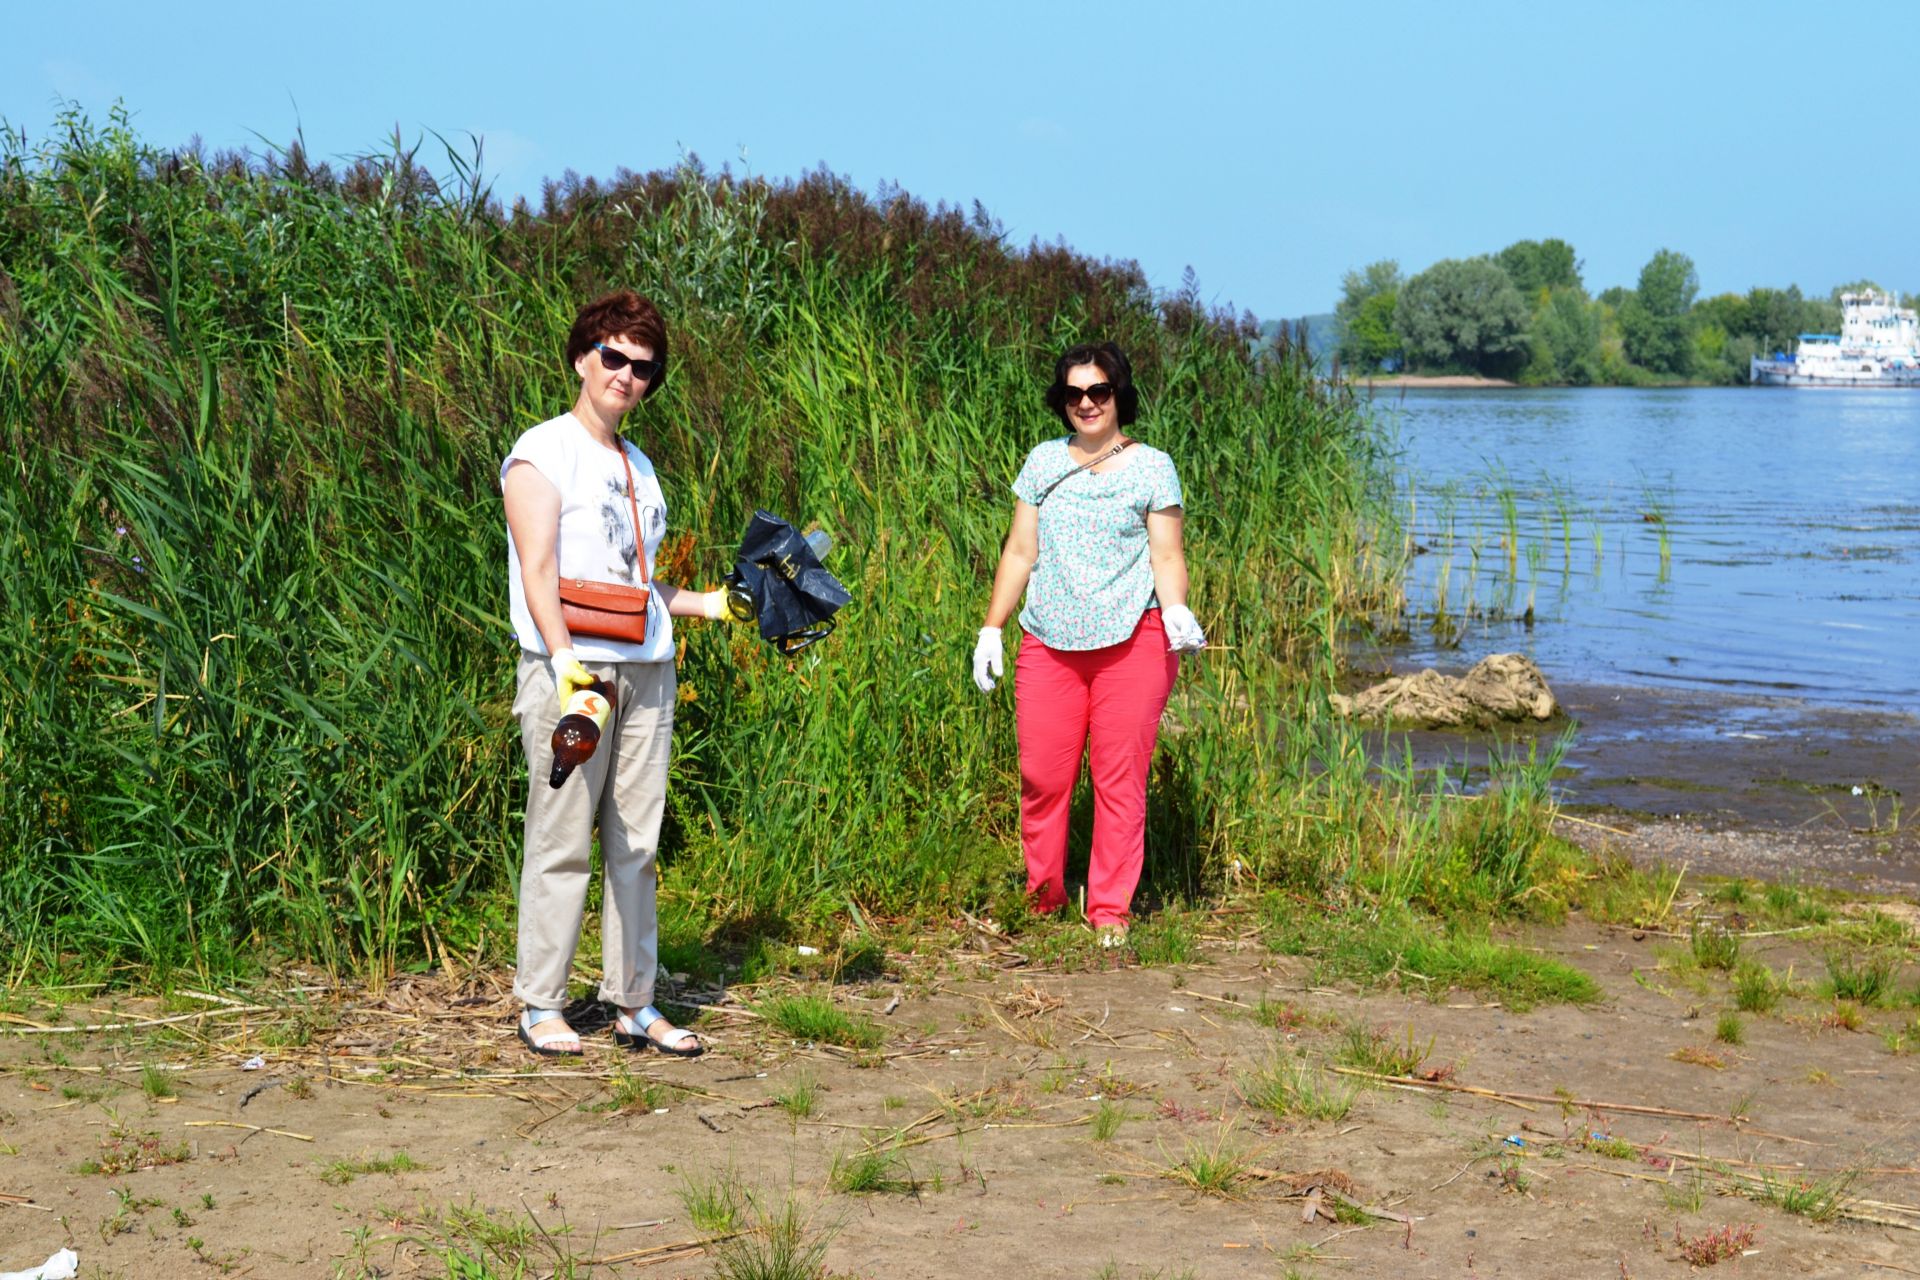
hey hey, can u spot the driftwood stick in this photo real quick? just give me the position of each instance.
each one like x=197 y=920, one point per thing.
x=1581 y=1104
x=257 y=1128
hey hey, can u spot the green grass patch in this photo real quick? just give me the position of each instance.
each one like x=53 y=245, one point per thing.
x=1713 y=946
x=155 y=1083
x=1376 y=1050
x=784 y=1244
x=1863 y=977
x=800 y=1098
x=1755 y=988
x=126 y=1150
x=817 y=1020
x=714 y=1205
x=1107 y=1118
x=1287 y=1085
x=1167 y=939
x=1421 y=954
x=340 y=1172
x=1220 y=1168
x=864 y=1173
x=1818 y=1199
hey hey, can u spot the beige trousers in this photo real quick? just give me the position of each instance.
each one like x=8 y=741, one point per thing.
x=624 y=786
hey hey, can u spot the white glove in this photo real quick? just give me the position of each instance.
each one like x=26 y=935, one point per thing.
x=568 y=675
x=1183 y=629
x=989 y=659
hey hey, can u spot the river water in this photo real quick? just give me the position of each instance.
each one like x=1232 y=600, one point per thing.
x=1754 y=542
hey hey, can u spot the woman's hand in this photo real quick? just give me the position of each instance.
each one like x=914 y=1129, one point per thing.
x=568 y=675
x=989 y=659
x=1183 y=629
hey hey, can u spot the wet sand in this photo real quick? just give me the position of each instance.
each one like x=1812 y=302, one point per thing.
x=1777 y=789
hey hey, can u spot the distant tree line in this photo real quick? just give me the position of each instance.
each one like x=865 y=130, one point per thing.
x=1524 y=313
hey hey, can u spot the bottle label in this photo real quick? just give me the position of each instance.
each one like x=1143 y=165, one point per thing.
x=585 y=702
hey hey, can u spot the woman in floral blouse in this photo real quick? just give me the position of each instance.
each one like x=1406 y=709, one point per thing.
x=1095 y=549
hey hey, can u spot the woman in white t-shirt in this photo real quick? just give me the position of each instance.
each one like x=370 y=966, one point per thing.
x=583 y=503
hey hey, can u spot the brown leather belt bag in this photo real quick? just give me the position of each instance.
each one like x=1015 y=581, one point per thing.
x=611 y=610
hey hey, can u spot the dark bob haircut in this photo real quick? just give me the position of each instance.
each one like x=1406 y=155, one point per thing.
x=622 y=314
x=1111 y=361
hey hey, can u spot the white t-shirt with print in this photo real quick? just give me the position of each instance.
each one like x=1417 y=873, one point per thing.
x=596 y=532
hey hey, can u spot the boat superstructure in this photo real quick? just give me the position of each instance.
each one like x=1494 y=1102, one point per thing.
x=1878 y=346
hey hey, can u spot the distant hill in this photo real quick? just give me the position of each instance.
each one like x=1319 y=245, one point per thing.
x=1323 y=335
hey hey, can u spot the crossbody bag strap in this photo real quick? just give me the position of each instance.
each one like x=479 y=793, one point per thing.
x=1111 y=453
x=633 y=502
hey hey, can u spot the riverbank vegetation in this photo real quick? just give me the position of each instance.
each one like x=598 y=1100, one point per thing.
x=1525 y=314
x=255 y=673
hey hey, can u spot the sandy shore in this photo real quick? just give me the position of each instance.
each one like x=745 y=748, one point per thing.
x=1566 y=1140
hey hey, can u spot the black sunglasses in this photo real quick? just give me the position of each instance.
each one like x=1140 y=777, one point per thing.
x=645 y=370
x=1099 y=393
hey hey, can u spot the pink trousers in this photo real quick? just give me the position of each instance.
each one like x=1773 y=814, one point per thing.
x=1063 y=699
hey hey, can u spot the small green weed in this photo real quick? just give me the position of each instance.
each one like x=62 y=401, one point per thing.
x=714 y=1206
x=1715 y=1247
x=1902 y=1040
x=815 y=1019
x=781 y=1246
x=1792 y=904
x=1279 y=1015
x=1729 y=1029
x=1217 y=1170
x=1819 y=1199
x=124 y=1150
x=1714 y=947
x=154 y=1083
x=1686 y=1196
x=800 y=1098
x=872 y=1173
x=1106 y=1120
x=1374 y=1049
x=1864 y=977
x=1611 y=1147
x=1291 y=1086
x=1755 y=988
x=341 y=1172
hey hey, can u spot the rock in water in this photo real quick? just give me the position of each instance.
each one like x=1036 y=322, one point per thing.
x=1501 y=686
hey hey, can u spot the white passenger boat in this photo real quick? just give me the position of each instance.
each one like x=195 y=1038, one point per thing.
x=1878 y=346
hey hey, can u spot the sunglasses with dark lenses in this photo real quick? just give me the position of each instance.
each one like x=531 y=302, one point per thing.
x=1099 y=393
x=645 y=370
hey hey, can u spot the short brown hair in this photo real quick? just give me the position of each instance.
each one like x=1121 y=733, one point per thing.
x=1112 y=362
x=621 y=314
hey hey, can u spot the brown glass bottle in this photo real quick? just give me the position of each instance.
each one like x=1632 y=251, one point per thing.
x=578 y=732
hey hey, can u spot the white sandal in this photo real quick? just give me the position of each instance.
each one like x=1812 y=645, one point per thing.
x=543 y=1044
x=632 y=1033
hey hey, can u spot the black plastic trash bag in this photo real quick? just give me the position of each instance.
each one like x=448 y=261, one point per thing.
x=778 y=578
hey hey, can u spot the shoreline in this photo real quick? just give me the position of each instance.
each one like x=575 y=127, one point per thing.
x=1473 y=382
x=1436 y=381
x=1770 y=788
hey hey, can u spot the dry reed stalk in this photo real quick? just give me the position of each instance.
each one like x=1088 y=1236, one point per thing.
x=35 y=1029
x=1584 y=1104
x=257 y=1128
x=659 y=1252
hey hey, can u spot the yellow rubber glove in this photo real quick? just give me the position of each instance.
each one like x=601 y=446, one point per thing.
x=568 y=675
x=714 y=605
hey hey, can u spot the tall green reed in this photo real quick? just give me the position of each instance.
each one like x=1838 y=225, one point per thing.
x=255 y=673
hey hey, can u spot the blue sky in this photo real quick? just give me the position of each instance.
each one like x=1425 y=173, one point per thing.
x=1270 y=146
